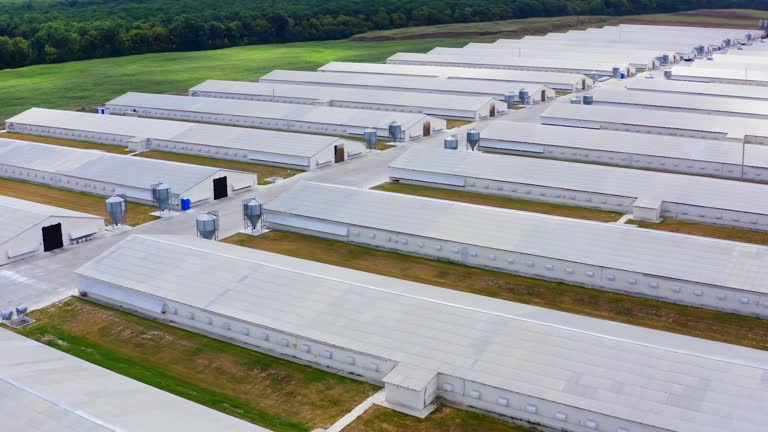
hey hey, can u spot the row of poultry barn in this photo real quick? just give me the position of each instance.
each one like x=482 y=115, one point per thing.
x=666 y=148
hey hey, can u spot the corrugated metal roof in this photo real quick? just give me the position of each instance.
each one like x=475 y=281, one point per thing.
x=46 y=390
x=688 y=102
x=289 y=143
x=660 y=379
x=414 y=83
x=703 y=73
x=742 y=68
x=616 y=141
x=271 y=110
x=641 y=184
x=561 y=45
x=698 y=259
x=16 y=216
x=104 y=167
x=548 y=53
x=584 y=66
x=733 y=127
x=737 y=60
x=455 y=72
x=692 y=87
x=325 y=94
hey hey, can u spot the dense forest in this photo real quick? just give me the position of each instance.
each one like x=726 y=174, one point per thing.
x=51 y=31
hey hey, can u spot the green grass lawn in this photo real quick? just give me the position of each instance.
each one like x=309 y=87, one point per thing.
x=624 y=308
x=83 y=84
x=443 y=419
x=501 y=202
x=278 y=394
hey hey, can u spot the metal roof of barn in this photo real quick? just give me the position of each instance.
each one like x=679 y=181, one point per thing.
x=641 y=375
x=324 y=94
x=698 y=259
x=46 y=390
x=270 y=110
x=642 y=184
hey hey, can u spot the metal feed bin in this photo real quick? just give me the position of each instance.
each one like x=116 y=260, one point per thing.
x=371 y=138
x=588 y=99
x=616 y=72
x=116 y=210
x=451 y=143
x=207 y=226
x=395 y=131
x=252 y=211
x=524 y=96
x=161 y=196
x=575 y=100
x=511 y=99
x=473 y=138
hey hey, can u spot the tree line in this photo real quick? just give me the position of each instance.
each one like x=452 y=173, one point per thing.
x=52 y=31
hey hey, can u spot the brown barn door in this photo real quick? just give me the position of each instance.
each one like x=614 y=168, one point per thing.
x=492 y=111
x=426 y=130
x=338 y=152
x=543 y=95
x=583 y=84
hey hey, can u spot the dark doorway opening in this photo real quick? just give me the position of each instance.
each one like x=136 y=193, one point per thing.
x=338 y=152
x=492 y=112
x=220 y=188
x=426 y=130
x=543 y=95
x=52 y=237
x=583 y=84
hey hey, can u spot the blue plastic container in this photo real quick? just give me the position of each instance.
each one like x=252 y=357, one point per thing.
x=623 y=76
x=186 y=204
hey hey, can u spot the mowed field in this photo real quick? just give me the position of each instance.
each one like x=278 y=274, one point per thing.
x=623 y=308
x=137 y=214
x=278 y=394
x=84 y=84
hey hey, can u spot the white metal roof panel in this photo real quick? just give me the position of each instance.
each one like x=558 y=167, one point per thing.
x=323 y=93
x=480 y=62
x=638 y=374
x=16 y=216
x=270 y=110
x=615 y=141
x=689 y=102
x=641 y=184
x=117 y=125
x=733 y=127
x=414 y=83
x=692 y=87
x=98 y=166
x=548 y=53
x=46 y=390
x=704 y=73
x=698 y=259
x=447 y=72
x=261 y=140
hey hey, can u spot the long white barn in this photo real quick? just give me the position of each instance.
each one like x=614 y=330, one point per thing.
x=29 y=228
x=695 y=125
x=294 y=150
x=108 y=174
x=584 y=67
x=672 y=267
x=270 y=115
x=647 y=195
x=679 y=154
x=562 y=371
x=434 y=104
x=46 y=390
x=416 y=84
x=734 y=91
x=554 y=80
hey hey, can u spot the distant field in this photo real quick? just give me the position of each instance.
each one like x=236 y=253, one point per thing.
x=443 y=419
x=624 y=308
x=278 y=394
x=264 y=171
x=84 y=84
x=502 y=202
x=78 y=201
x=67 y=143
